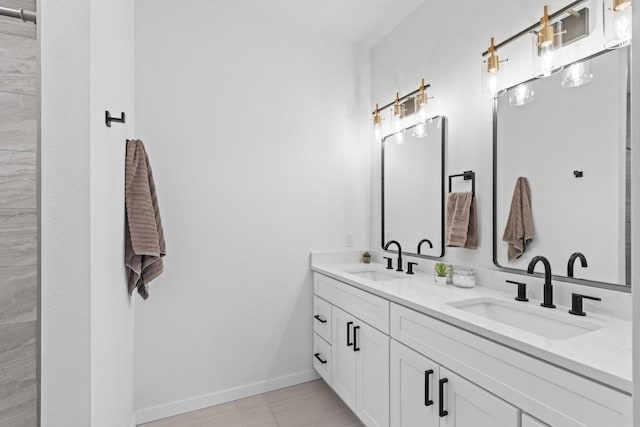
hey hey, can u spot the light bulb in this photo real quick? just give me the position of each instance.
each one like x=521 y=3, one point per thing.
x=377 y=131
x=422 y=112
x=420 y=130
x=521 y=95
x=618 y=21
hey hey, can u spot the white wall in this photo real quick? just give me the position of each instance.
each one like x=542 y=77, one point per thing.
x=112 y=314
x=65 y=217
x=87 y=319
x=250 y=129
x=445 y=48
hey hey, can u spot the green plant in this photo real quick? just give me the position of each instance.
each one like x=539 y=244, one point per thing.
x=441 y=269
x=366 y=255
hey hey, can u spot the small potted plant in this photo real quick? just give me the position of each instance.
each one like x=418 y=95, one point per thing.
x=366 y=257
x=441 y=272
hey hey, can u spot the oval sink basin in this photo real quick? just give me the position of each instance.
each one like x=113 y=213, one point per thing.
x=529 y=318
x=375 y=275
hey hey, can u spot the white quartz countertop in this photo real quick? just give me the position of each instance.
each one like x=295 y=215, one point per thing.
x=603 y=355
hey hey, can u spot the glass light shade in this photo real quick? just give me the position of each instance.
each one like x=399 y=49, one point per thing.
x=577 y=74
x=377 y=131
x=617 y=24
x=422 y=112
x=547 y=54
x=521 y=94
x=397 y=120
x=491 y=80
x=420 y=130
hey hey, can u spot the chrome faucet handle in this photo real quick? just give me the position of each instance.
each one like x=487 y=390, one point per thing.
x=576 y=303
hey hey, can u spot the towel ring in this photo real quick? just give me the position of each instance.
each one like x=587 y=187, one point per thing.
x=467 y=175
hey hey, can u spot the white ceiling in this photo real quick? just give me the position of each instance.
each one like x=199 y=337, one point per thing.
x=351 y=21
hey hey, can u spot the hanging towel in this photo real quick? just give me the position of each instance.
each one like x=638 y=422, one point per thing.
x=462 y=221
x=519 y=230
x=144 y=238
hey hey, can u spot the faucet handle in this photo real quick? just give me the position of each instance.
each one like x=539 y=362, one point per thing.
x=576 y=303
x=410 y=267
x=389 y=263
x=522 y=290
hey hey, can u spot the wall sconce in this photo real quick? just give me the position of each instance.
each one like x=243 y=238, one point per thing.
x=491 y=73
x=521 y=94
x=547 y=45
x=377 y=123
x=617 y=23
x=398 y=114
x=421 y=102
x=577 y=74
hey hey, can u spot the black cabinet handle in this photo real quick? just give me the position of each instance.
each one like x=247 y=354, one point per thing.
x=319 y=319
x=427 y=375
x=349 y=343
x=355 y=338
x=317 y=356
x=443 y=412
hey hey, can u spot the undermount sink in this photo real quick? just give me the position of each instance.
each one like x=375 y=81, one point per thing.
x=532 y=319
x=375 y=275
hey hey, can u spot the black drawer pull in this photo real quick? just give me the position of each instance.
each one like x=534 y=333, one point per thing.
x=319 y=319
x=349 y=343
x=427 y=375
x=355 y=338
x=317 y=356
x=443 y=412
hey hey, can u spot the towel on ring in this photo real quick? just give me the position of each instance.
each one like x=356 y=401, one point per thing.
x=144 y=237
x=519 y=230
x=462 y=221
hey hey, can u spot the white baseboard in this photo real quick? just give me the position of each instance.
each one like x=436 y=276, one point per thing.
x=199 y=402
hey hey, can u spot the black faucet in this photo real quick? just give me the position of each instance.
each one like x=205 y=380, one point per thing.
x=572 y=262
x=424 y=241
x=548 y=286
x=386 y=248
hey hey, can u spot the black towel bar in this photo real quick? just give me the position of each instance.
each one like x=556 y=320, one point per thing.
x=467 y=175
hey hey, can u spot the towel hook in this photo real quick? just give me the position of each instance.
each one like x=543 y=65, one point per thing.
x=108 y=118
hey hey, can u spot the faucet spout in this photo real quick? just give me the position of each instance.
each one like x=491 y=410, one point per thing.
x=572 y=261
x=427 y=241
x=395 y=242
x=548 y=286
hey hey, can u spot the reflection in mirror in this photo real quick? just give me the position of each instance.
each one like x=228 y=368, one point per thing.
x=412 y=188
x=571 y=142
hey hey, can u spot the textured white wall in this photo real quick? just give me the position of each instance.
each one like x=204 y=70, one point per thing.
x=65 y=269
x=254 y=137
x=112 y=314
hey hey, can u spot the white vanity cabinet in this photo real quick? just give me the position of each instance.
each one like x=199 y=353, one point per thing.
x=424 y=394
x=359 y=351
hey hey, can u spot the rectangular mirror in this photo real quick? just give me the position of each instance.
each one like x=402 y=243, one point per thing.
x=413 y=188
x=569 y=136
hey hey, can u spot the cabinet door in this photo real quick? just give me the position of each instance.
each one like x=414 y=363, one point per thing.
x=414 y=388
x=372 y=381
x=343 y=371
x=470 y=406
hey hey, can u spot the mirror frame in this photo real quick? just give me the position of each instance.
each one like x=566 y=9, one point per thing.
x=593 y=283
x=443 y=129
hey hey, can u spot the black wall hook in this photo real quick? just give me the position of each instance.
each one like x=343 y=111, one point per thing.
x=108 y=119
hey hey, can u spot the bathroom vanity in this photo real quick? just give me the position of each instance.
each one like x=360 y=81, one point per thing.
x=402 y=351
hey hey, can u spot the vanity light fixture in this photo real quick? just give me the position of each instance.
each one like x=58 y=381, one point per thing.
x=377 y=123
x=398 y=114
x=617 y=23
x=521 y=94
x=547 y=44
x=491 y=72
x=421 y=101
x=577 y=74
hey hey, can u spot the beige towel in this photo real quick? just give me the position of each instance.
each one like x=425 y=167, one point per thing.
x=462 y=221
x=144 y=238
x=519 y=230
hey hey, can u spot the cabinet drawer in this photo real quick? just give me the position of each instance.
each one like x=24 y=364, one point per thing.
x=322 y=318
x=322 y=357
x=528 y=383
x=365 y=306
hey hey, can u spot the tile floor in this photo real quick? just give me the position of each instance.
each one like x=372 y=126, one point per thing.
x=311 y=404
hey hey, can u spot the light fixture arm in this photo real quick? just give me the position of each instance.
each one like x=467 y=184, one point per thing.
x=400 y=99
